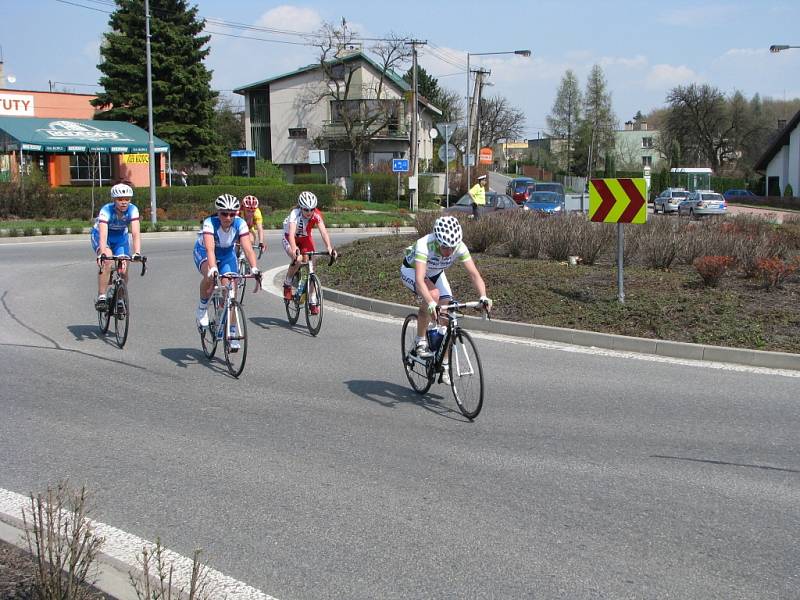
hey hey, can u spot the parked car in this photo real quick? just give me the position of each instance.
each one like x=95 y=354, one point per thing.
x=740 y=195
x=545 y=203
x=517 y=188
x=549 y=186
x=668 y=200
x=703 y=202
x=495 y=203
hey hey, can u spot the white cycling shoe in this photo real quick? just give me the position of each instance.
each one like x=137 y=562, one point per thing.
x=201 y=315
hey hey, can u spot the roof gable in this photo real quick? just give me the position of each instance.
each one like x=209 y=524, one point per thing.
x=781 y=140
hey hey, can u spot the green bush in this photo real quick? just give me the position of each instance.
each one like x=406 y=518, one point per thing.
x=269 y=170
x=383 y=186
x=230 y=180
x=788 y=192
x=309 y=178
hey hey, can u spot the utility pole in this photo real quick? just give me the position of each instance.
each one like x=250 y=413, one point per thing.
x=150 y=148
x=413 y=187
x=479 y=83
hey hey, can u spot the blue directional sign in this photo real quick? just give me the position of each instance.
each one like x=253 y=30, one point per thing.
x=399 y=165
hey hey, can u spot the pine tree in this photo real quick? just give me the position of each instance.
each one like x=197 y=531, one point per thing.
x=183 y=102
x=565 y=114
x=597 y=135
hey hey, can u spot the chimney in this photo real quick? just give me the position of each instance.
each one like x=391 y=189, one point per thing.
x=347 y=50
x=628 y=125
x=643 y=125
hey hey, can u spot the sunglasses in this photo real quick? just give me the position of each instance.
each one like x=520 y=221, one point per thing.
x=225 y=213
x=307 y=210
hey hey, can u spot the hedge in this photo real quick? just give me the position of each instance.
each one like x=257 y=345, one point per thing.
x=76 y=202
x=245 y=181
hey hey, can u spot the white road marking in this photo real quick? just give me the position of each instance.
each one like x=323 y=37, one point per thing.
x=125 y=547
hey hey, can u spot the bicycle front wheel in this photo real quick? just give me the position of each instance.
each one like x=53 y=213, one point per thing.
x=314 y=305
x=104 y=319
x=122 y=313
x=235 y=341
x=244 y=269
x=293 y=305
x=419 y=371
x=466 y=374
x=208 y=335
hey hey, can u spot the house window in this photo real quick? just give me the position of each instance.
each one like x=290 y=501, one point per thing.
x=647 y=142
x=298 y=133
x=647 y=161
x=83 y=168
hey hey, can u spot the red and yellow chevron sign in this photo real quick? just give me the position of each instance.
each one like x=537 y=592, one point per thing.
x=618 y=200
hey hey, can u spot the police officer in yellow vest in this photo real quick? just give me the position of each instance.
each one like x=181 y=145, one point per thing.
x=478 y=194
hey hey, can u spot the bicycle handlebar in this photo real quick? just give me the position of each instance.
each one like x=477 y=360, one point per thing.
x=124 y=258
x=456 y=306
x=318 y=253
x=236 y=277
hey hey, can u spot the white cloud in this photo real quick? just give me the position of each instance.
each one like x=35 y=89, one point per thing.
x=637 y=62
x=662 y=77
x=290 y=18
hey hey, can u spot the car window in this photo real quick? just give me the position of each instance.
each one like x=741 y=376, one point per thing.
x=680 y=195
x=712 y=197
x=465 y=200
x=520 y=187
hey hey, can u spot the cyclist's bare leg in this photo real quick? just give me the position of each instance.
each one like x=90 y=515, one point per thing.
x=206 y=283
x=422 y=314
x=102 y=277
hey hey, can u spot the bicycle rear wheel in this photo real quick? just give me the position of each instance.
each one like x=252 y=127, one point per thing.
x=122 y=314
x=418 y=371
x=208 y=335
x=235 y=357
x=466 y=374
x=314 y=321
x=293 y=305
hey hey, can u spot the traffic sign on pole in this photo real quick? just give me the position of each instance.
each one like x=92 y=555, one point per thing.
x=447 y=153
x=446 y=129
x=399 y=165
x=618 y=200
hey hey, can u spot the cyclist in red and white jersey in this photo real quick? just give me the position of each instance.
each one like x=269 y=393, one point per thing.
x=297 y=238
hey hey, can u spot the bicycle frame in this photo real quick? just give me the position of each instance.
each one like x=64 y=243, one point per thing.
x=226 y=293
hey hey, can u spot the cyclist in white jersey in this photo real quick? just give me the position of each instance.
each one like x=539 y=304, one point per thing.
x=423 y=273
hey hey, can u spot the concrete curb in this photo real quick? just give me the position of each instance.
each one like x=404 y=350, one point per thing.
x=577 y=337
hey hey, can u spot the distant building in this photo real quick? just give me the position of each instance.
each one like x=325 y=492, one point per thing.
x=284 y=117
x=56 y=133
x=636 y=147
x=781 y=161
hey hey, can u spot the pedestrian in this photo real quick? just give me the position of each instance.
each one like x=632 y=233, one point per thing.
x=184 y=176
x=478 y=194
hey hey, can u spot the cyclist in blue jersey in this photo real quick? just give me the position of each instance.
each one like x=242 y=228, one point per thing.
x=215 y=253
x=110 y=236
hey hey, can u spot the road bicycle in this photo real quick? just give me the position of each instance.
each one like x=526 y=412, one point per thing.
x=226 y=322
x=117 y=302
x=244 y=269
x=456 y=352
x=308 y=293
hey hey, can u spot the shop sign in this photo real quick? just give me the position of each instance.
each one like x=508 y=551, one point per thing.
x=17 y=105
x=135 y=159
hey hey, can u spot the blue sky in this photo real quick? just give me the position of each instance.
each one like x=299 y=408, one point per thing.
x=644 y=49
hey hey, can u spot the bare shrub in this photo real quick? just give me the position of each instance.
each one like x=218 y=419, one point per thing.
x=774 y=271
x=660 y=241
x=633 y=240
x=156 y=579
x=592 y=239
x=62 y=541
x=699 y=240
x=559 y=235
x=424 y=222
x=482 y=234
x=523 y=234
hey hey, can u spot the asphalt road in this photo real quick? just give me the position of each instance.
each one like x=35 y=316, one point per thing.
x=321 y=474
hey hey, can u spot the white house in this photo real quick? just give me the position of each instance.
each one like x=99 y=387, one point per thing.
x=781 y=161
x=288 y=115
x=635 y=147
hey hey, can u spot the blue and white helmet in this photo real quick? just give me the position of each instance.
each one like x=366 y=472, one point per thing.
x=122 y=190
x=226 y=202
x=448 y=231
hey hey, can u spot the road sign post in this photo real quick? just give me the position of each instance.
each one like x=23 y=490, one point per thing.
x=618 y=201
x=400 y=165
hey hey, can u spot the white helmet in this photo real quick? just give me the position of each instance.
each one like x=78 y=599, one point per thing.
x=226 y=202
x=307 y=200
x=447 y=231
x=122 y=190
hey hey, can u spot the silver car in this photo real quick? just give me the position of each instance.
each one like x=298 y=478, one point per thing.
x=668 y=200
x=703 y=202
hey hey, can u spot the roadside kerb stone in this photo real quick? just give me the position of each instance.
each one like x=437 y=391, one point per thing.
x=577 y=337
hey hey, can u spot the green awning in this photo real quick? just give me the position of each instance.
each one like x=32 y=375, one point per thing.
x=34 y=134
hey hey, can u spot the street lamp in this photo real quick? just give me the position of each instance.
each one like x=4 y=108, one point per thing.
x=775 y=48
x=525 y=53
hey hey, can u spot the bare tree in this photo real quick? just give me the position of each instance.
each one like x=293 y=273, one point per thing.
x=362 y=104
x=499 y=120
